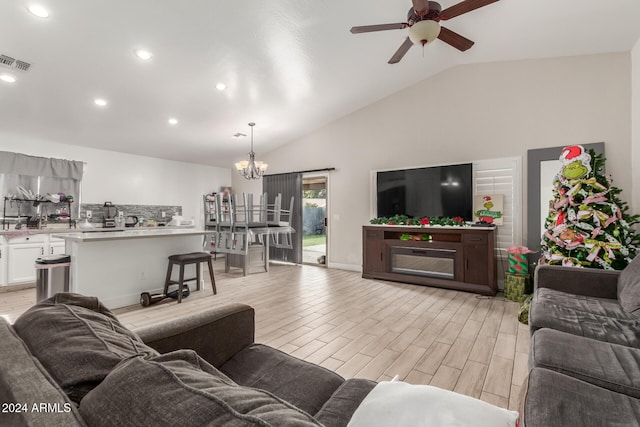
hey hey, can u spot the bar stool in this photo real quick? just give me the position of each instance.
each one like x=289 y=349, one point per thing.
x=187 y=259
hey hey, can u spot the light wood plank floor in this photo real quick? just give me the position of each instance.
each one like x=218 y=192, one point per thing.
x=364 y=328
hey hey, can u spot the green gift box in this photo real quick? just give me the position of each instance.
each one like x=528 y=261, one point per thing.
x=517 y=286
x=518 y=263
x=523 y=313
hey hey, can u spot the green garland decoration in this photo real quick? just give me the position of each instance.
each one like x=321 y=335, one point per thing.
x=420 y=222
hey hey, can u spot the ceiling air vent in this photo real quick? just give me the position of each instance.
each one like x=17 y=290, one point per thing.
x=22 y=66
x=6 y=60
x=16 y=64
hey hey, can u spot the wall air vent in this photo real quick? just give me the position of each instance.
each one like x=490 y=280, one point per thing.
x=16 y=64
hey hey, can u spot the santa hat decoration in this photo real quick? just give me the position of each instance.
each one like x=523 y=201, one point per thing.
x=571 y=153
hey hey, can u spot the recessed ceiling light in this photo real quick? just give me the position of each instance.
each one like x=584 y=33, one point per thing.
x=221 y=86
x=173 y=121
x=143 y=54
x=38 y=11
x=100 y=102
x=7 y=78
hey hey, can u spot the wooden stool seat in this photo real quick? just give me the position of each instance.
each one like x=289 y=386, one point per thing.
x=187 y=259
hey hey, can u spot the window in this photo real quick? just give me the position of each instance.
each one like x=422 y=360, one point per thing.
x=41 y=175
x=503 y=176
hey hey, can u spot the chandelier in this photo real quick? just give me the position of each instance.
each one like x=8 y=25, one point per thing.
x=251 y=169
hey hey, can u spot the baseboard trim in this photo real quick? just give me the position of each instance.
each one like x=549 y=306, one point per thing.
x=349 y=267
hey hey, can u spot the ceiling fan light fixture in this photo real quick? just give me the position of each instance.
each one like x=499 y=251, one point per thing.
x=424 y=32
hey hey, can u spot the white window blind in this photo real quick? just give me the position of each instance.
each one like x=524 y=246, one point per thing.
x=503 y=176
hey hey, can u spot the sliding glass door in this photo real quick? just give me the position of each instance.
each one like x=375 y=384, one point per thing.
x=314 y=219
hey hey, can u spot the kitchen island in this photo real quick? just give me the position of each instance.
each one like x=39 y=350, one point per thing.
x=116 y=266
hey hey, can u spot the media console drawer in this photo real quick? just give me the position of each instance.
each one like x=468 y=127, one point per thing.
x=474 y=239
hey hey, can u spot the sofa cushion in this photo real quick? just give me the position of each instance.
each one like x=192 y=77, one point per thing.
x=25 y=382
x=611 y=366
x=337 y=411
x=552 y=399
x=77 y=340
x=182 y=389
x=555 y=316
x=300 y=383
x=598 y=306
x=629 y=287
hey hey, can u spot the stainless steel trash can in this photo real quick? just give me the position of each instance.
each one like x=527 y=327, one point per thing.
x=52 y=274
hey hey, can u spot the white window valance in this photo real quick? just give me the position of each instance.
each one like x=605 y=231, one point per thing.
x=23 y=164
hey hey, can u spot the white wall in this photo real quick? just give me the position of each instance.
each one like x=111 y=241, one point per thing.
x=467 y=113
x=635 y=125
x=130 y=179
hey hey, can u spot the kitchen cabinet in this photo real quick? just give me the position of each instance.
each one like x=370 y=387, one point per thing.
x=18 y=256
x=3 y=262
x=22 y=253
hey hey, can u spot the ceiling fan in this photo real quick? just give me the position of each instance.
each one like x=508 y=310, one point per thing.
x=423 y=23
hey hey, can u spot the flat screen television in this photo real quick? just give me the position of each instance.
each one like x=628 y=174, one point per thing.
x=441 y=191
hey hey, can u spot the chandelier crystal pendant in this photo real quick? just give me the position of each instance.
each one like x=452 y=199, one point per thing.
x=251 y=169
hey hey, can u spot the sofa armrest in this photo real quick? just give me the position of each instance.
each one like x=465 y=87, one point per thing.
x=216 y=334
x=578 y=281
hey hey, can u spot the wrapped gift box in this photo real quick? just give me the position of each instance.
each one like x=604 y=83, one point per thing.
x=523 y=313
x=518 y=263
x=517 y=286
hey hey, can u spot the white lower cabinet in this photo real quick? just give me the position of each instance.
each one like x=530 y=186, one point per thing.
x=22 y=258
x=3 y=263
x=19 y=256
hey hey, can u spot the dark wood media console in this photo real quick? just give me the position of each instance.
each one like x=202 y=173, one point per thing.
x=460 y=258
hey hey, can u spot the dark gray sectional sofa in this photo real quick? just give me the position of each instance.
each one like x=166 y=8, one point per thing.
x=585 y=348
x=68 y=361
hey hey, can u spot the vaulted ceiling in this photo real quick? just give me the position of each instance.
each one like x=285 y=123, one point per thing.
x=290 y=66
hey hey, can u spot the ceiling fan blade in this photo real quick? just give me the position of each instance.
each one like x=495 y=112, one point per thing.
x=402 y=50
x=454 y=39
x=463 y=7
x=381 y=27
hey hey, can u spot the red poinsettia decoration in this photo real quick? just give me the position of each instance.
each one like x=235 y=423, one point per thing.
x=459 y=220
x=424 y=221
x=391 y=223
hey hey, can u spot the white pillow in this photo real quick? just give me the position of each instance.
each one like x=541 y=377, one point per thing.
x=403 y=404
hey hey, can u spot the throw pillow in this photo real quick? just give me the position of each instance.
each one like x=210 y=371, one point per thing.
x=182 y=389
x=78 y=341
x=401 y=404
x=629 y=287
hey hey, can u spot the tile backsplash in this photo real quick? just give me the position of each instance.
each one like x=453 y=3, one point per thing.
x=147 y=212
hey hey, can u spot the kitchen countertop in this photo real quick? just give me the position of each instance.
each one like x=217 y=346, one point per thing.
x=133 y=233
x=66 y=230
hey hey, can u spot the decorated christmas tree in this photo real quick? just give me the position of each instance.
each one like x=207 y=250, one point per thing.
x=588 y=225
